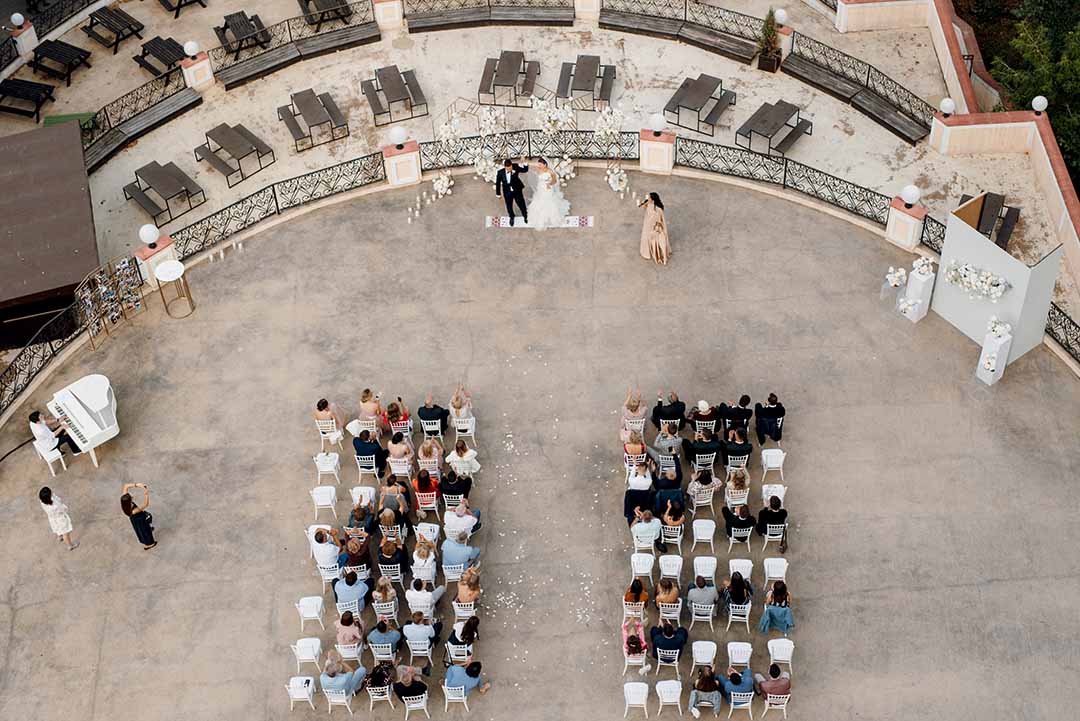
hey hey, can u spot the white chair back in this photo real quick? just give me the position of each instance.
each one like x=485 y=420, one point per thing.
x=636 y=695
x=431 y=465
x=362 y=495
x=362 y=572
x=419 y=649
x=385 y=610
x=635 y=425
x=704 y=461
x=669 y=693
x=671 y=567
x=451 y=501
x=430 y=531
x=393 y=533
x=352 y=606
x=631 y=460
x=666 y=462
x=401 y=467
x=633 y=610
x=781 y=650
x=465 y=428
x=458 y=652
x=379 y=693
x=736 y=462
x=328 y=429
x=349 y=651
x=775 y=570
x=699 y=426
x=324 y=497
x=371 y=425
x=402 y=427
x=704 y=530
x=740 y=535
x=301 y=688
x=365 y=464
x=739 y=613
x=391 y=571
x=452 y=573
x=310 y=608
x=382 y=651
x=454 y=694
x=702 y=498
x=704 y=653
x=734 y=499
x=768 y=490
x=702 y=612
x=431 y=428
x=671 y=611
x=672 y=534
x=773 y=532
x=337 y=698
x=739 y=653
x=428 y=502
x=668 y=657
x=464 y=611
x=705 y=566
x=307 y=650
x=641 y=565
x=415 y=703
x=741 y=701
x=776 y=701
x=741 y=565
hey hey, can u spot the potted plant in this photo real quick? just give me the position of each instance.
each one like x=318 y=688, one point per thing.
x=769 y=54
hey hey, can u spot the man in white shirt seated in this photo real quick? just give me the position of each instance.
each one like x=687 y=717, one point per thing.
x=48 y=435
x=324 y=546
x=420 y=629
x=422 y=597
x=645 y=528
x=462 y=519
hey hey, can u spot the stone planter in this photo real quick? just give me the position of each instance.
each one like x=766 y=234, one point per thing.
x=768 y=63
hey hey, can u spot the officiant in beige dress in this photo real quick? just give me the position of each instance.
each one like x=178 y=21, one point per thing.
x=654 y=231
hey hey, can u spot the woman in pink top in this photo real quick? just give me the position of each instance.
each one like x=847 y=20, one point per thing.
x=633 y=648
x=350 y=630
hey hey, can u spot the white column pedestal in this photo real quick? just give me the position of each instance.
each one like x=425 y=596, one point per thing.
x=904 y=227
x=786 y=34
x=198 y=72
x=657 y=152
x=999 y=349
x=150 y=258
x=587 y=10
x=919 y=287
x=389 y=15
x=26 y=39
x=402 y=164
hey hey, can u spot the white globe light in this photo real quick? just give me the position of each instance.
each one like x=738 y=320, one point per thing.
x=910 y=195
x=191 y=48
x=1039 y=103
x=149 y=233
x=947 y=106
x=781 y=16
x=398 y=135
x=17 y=19
x=657 y=122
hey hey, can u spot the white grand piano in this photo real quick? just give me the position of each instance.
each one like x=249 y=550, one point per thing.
x=87 y=408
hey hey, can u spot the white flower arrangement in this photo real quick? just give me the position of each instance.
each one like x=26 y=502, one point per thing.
x=564 y=169
x=608 y=126
x=923 y=266
x=990 y=364
x=551 y=117
x=450 y=131
x=617 y=180
x=998 y=328
x=977 y=282
x=490 y=119
x=443 y=184
x=906 y=305
x=896 y=277
x=484 y=166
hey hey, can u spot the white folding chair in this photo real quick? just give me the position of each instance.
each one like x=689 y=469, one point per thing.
x=393 y=572
x=772 y=459
x=632 y=460
x=432 y=429
x=742 y=565
x=773 y=532
x=704 y=653
x=703 y=498
x=464 y=611
x=366 y=464
x=431 y=465
x=636 y=695
x=382 y=652
x=349 y=651
x=704 y=461
x=328 y=574
x=379 y=693
x=705 y=566
x=324 y=497
x=739 y=613
x=310 y=608
x=641 y=565
x=768 y=490
x=362 y=571
x=668 y=657
x=50 y=457
x=351 y=606
x=428 y=502
x=452 y=573
x=419 y=649
x=734 y=499
x=362 y=495
x=385 y=611
x=454 y=694
x=328 y=433
x=633 y=610
x=740 y=535
x=429 y=531
x=775 y=570
x=301 y=688
x=359 y=425
x=457 y=653
x=637 y=659
x=401 y=468
x=776 y=701
x=738 y=463
x=337 y=698
x=739 y=653
x=635 y=425
x=781 y=650
x=666 y=462
x=740 y=701
x=704 y=530
x=702 y=612
x=642 y=544
x=671 y=611
x=465 y=428
x=671 y=567
x=451 y=501
x=699 y=426
x=307 y=650
x=394 y=533
x=669 y=693
x=416 y=703
x=672 y=534
x=403 y=427
x=327 y=464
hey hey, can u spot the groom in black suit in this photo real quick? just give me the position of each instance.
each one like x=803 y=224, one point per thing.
x=510 y=187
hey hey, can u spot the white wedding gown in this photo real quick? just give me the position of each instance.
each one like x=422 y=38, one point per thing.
x=548 y=207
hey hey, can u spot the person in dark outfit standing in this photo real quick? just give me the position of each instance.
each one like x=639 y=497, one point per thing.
x=141 y=520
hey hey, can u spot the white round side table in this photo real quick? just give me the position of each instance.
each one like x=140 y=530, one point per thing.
x=170 y=274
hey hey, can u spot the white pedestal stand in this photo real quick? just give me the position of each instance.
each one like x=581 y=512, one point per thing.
x=920 y=287
x=998 y=347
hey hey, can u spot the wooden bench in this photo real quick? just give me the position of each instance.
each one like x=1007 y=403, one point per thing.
x=190 y=186
x=524 y=15
x=607 y=83
x=203 y=153
x=415 y=92
x=566 y=76
x=725 y=101
x=132 y=191
x=258 y=66
x=1012 y=216
x=260 y=147
x=673 y=104
x=305 y=9
x=532 y=72
x=350 y=37
x=367 y=87
x=112 y=141
x=640 y=24
x=337 y=120
x=285 y=115
x=706 y=38
x=487 y=79
x=803 y=127
x=448 y=19
x=887 y=116
x=69 y=57
x=821 y=77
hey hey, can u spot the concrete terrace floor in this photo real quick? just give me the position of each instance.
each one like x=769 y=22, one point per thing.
x=909 y=554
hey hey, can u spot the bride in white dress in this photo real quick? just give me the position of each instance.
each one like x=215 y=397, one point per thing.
x=548 y=207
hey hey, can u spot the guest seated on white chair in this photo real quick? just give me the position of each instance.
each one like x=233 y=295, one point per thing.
x=666 y=592
x=399 y=447
x=772 y=514
x=461 y=405
x=699 y=481
x=469 y=677
x=49 y=434
x=468 y=590
x=736 y=682
x=778 y=683
x=705 y=442
x=768 y=419
x=639 y=492
x=666 y=443
x=633 y=637
x=394 y=498
x=422 y=595
x=736 y=416
x=391 y=553
x=396 y=412
x=668 y=484
x=634 y=446
x=356 y=551
x=327 y=411
x=349 y=629
x=453 y=484
x=337 y=677
x=365 y=445
x=737 y=483
x=325 y=546
x=461 y=519
x=384 y=591
x=777 y=614
x=425 y=562
x=349 y=589
x=432 y=412
x=632 y=410
x=674 y=410
x=408 y=684
x=430 y=450
x=370 y=405
x=737 y=446
x=424 y=484
x=362 y=516
x=739 y=519
x=736 y=590
x=645 y=529
x=706 y=690
x=456 y=551
x=382 y=633
x=420 y=629
x=465 y=633
x=636 y=593
x=703 y=413
x=667 y=637
x=463 y=460
x=702 y=592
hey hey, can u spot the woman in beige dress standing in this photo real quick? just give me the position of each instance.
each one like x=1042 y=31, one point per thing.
x=654 y=232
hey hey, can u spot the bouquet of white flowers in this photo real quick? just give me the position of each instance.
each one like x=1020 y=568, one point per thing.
x=895 y=279
x=443 y=184
x=450 y=131
x=485 y=167
x=563 y=168
x=998 y=328
x=976 y=282
x=923 y=265
x=990 y=363
x=907 y=304
x=617 y=180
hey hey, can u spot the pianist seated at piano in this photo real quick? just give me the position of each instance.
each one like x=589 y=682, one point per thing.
x=49 y=434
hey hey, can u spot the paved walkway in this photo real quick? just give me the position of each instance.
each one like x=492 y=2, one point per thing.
x=909 y=554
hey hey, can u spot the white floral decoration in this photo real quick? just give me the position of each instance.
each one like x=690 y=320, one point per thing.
x=609 y=122
x=443 y=184
x=490 y=119
x=484 y=166
x=976 y=282
x=906 y=305
x=551 y=117
x=617 y=180
x=923 y=265
x=896 y=277
x=998 y=328
x=564 y=169
x=990 y=364
x=450 y=131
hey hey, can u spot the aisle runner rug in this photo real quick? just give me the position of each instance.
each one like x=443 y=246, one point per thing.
x=570 y=221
